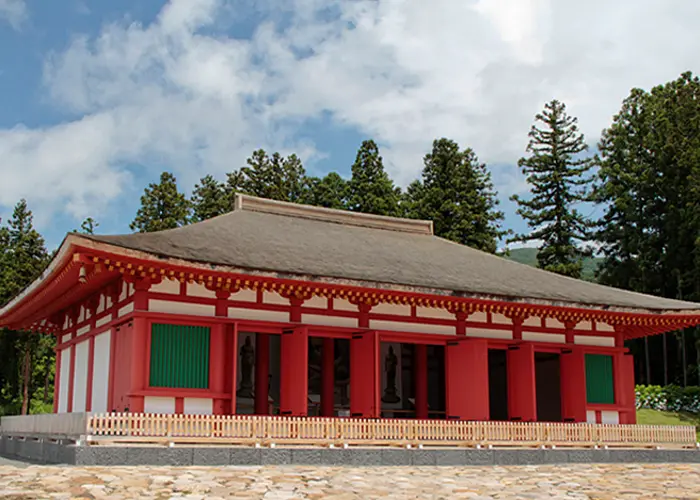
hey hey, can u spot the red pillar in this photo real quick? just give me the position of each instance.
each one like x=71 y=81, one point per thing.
x=262 y=373
x=328 y=378
x=573 y=385
x=420 y=375
x=522 y=396
x=364 y=379
x=233 y=367
x=623 y=375
x=217 y=366
x=139 y=364
x=467 y=379
x=294 y=373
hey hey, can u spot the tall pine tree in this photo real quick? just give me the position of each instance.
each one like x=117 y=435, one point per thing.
x=162 y=207
x=329 y=192
x=457 y=194
x=209 y=199
x=370 y=190
x=559 y=180
x=274 y=177
x=648 y=187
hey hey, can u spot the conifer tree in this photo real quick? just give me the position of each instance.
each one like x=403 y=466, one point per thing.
x=329 y=192
x=88 y=226
x=559 y=180
x=274 y=177
x=457 y=194
x=209 y=199
x=370 y=190
x=162 y=207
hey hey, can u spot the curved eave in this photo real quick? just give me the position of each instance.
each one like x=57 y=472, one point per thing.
x=57 y=287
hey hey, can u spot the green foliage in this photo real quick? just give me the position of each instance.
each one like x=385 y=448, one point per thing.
x=370 y=190
x=668 y=398
x=88 y=226
x=558 y=179
x=457 y=194
x=162 y=207
x=209 y=199
x=27 y=358
x=274 y=177
x=330 y=191
x=528 y=256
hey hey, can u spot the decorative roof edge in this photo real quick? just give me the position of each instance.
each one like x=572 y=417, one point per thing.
x=255 y=204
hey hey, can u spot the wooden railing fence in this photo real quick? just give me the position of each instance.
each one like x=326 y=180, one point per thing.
x=319 y=431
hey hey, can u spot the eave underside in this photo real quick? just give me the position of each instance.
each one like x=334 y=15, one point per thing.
x=95 y=266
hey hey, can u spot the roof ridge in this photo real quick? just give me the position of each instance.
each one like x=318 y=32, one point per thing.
x=249 y=203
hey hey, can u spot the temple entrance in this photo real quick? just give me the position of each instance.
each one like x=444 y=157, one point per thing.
x=321 y=384
x=498 y=385
x=258 y=374
x=548 y=387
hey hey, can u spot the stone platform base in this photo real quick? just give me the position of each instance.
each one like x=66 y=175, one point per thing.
x=40 y=450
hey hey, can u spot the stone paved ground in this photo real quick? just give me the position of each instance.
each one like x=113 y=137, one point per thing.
x=569 y=481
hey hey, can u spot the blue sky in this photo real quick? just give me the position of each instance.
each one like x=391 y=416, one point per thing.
x=97 y=97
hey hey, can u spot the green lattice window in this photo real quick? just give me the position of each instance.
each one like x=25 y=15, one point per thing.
x=179 y=356
x=599 y=379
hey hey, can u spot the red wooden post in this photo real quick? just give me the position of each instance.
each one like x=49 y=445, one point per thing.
x=522 y=396
x=139 y=363
x=328 y=378
x=262 y=373
x=573 y=385
x=294 y=372
x=420 y=374
x=467 y=379
x=217 y=365
x=364 y=379
x=233 y=367
x=623 y=375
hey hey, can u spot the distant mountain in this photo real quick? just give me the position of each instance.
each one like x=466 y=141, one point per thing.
x=529 y=256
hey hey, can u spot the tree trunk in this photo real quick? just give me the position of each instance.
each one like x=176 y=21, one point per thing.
x=26 y=374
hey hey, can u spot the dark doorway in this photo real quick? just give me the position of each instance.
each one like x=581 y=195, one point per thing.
x=498 y=385
x=548 y=387
x=436 y=382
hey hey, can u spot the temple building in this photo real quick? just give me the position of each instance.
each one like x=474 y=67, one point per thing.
x=284 y=309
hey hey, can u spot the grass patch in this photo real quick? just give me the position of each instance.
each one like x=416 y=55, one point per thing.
x=655 y=417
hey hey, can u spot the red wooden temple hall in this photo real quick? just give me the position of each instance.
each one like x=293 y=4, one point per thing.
x=285 y=309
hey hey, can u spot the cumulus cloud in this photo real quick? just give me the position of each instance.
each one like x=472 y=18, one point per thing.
x=180 y=93
x=13 y=12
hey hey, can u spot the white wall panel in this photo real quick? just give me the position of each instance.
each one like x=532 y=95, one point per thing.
x=433 y=312
x=174 y=307
x=317 y=319
x=126 y=309
x=83 y=330
x=103 y=320
x=609 y=417
x=255 y=314
x=157 y=404
x=489 y=334
x=198 y=406
x=80 y=376
x=100 y=371
x=398 y=326
x=197 y=290
x=544 y=337
x=64 y=380
x=166 y=286
x=590 y=417
x=594 y=340
x=396 y=309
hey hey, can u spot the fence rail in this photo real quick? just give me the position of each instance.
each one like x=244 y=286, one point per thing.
x=243 y=429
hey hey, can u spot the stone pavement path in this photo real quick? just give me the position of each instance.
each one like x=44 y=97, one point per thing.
x=526 y=482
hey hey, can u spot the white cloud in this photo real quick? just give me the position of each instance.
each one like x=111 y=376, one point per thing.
x=13 y=11
x=177 y=93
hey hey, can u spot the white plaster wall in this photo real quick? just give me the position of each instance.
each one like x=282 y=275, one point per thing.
x=100 y=371
x=584 y=325
x=198 y=406
x=396 y=309
x=103 y=320
x=108 y=302
x=126 y=309
x=123 y=291
x=398 y=326
x=131 y=289
x=64 y=382
x=157 y=404
x=343 y=305
x=604 y=327
x=553 y=323
x=317 y=319
x=317 y=301
x=501 y=319
x=433 y=312
x=544 y=337
x=590 y=417
x=173 y=307
x=478 y=317
x=237 y=312
x=609 y=417
x=80 y=376
x=65 y=338
x=594 y=340
x=83 y=330
x=532 y=321
x=489 y=334
x=166 y=286
x=198 y=290
x=81 y=316
x=101 y=305
x=274 y=298
x=245 y=295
